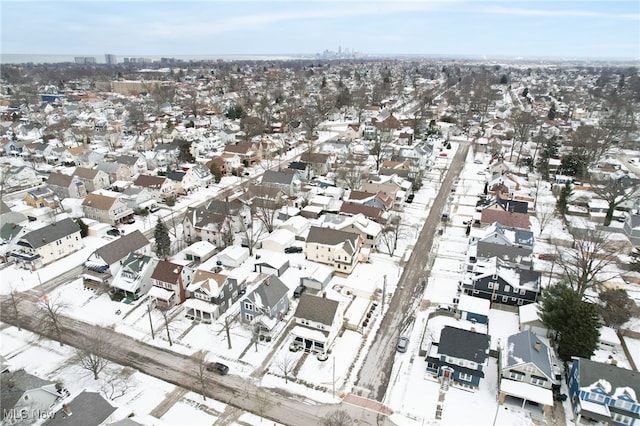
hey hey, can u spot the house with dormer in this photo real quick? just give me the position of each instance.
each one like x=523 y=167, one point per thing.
x=318 y=321
x=93 y=179
x=66 y=186
x=527 y=373
x=117 y=172
x=200 y=224
x=211 y=293
x=249 y=152
x=22 y=393
x=496 y=280
x=105 y=262
x=286 y=181
x=133 y=280
x=161 y=187
x=45 y=245
x=41 y=197
x=496 y=240
x=369 y=230
x=338 y=249
x=196 y=178
x=265 y=306
x=459 y=356
x=17 y=178
x=604 y=392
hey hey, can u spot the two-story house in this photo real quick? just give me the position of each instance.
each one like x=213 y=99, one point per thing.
x=250 y=153
x=41 y=197
x=22 y=393
x=170 y=281
x=369 y=230
x=201 y=224
x=318 y=322
x=22 y=177
x=161 y=187
x=211 y=293
x=493 y=279
x=66 y=186
x=196 y=178
x=117 y=172
x=47 y=244
x=133 y=281
x=604 y=393
x=496 y=240
x=265 y=306
x=339 y=249
x=287 y=181
x=527 y=373
x=459 y=356
x=106 y=207
x=93 y=179
x=105 y=262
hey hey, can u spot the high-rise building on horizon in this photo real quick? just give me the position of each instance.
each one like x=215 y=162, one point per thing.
x=84 y=60
x=110 y=59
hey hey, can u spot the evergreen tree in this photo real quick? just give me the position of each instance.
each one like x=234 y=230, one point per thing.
x=163 y=242
x=576 y=322
x=184 y=153
x=563 y=199
x=84 y=229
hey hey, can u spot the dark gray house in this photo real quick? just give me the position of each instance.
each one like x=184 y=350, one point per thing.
x=86 y=409
x=511 y=244
x=265 y=306
x=494 y=280
x=286 y=181
x=211 y=293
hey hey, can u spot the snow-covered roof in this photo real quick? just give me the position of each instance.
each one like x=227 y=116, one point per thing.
x=528 y=391
x=474 y=305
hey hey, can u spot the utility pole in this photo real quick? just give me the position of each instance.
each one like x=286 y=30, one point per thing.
x=226 y=326
x=384 y=292
x=333 y=389
x=153 y=335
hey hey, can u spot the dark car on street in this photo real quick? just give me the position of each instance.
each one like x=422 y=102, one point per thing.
x=218 y=367
x=293 y=249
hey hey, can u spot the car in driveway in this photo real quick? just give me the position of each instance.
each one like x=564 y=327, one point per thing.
x=114 y=232
x=403 y=344
x=293 y=249
x=218 y=367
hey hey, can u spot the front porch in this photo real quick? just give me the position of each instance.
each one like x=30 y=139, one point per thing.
x=527 y=397
x=199 y=310
x=310 y=340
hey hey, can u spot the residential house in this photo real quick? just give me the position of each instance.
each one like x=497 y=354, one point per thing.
x=93 y=179
x=527 y=374
x=493 y=279
x=137 y=198
x=265 y=306
x=105 y=262
x=376 y=214
x=86 y=409
x=211 y=294
x=161 y=187
x=196 y=178
x=133 y=281
x=177 y=177
x=316 y=277
x=135 y=163
x=170 y=281
x=200 y=224
x=473 y=309
x=17 y=178
x=529 y=317
x=66 y=186
x=506 y=218
x=369 y=230
x=41 y=197
x=106 y=207
x=250 y=153
x=379 y=200
x=23 y=396
x=631 y=228
x=400 y=168
x=318 y=321
x=393 y=185
x=116 y=171
x=507 y=244
x=286 y=181
x=318 y=163
x=604 y=393
x=459 y=356
x=45 y=245
x=339 y=249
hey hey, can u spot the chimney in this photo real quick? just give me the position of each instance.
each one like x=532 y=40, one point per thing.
x=537 y=346
x=67 y=409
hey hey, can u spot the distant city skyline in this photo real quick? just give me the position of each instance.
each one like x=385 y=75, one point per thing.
x=467 y=28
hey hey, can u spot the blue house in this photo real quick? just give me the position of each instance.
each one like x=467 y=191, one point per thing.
x=604 y=392
x=460 y=355
x=265 y=306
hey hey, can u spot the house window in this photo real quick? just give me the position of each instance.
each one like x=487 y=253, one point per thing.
x=505 y=298
x=625 y=405
x=248 y=306
x=248 y=317
x=516 y=375
x=522 y=291
x=619 y=418
x=539 y=381
x=507 y=288
x=466 y=377
x=490 y=286
x=598 y=397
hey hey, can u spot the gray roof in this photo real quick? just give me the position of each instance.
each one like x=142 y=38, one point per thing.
x=521 y=349
x=117 y=249
x=8 y=231
x=270 y=292
x=282 y=178
x=13 y=385
x=128 y=160
x=55 y=231
x=316 y=309
x=464 y=344
x=87 y=409
x=591 y=372
x=333 y=237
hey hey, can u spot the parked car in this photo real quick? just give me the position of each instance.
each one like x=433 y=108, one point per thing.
x=299 y=290
x=403 y=344
x=293 y=249
x=218 y=367
x=114 y=232
x=410 y=198
x=154 y=208
x=547 y=256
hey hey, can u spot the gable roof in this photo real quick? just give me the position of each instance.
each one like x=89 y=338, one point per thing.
x=269 y=292
x=59 y=179
x=508 y=219
x=521 y=349
x=464 y=344
x=167 y=272
x=98 y=201
x=53 y=232
x=371 y=212
x=282 y=178
x=513 y=205
x=333 y=237
x=148 y=181
x=85 y=172
x=87 y=409
x=316 y=309
x=592 y=373
x=119 y=248
x=14 y=384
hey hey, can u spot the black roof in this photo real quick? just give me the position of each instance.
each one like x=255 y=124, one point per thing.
x=464 y=344
x=87 y=409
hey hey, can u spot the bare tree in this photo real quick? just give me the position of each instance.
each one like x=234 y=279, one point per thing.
x=90 y=354
x=164 y=311
x=391 y=233
x=251 y=229
x=337 y=418
x=286 y=364
x=522 y=122
x=117 y=384
x=585 y=266
x=266 y=203
x=544 y=217
x=12 y=303
x=51 y=313
x=616 y=192
x=199 y=359
x=353 y=172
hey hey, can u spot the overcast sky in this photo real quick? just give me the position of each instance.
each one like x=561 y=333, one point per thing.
x=510 y=28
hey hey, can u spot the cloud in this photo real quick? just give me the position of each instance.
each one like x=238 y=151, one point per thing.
x=566 y=13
